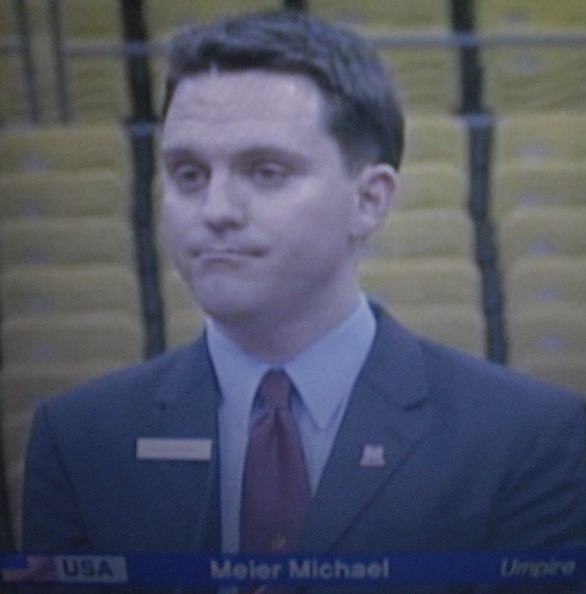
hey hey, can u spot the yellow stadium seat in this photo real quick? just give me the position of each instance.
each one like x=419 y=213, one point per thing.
x=538 y=232
x=97 y=86
x=64 y=194
x=427 y=78
x=540 y=137
x=87 y=240
x=101 y=19
x=548 y=183
x=30 y=290
x=423 y=232
x=95 y=19
x=439 y=138
x=183 y=326
x=421 y=281
x=95 y=83
x=534 y=77
x=163 y=17
x=423 y=14
x=43 y=61
x=175 y=293
x=65 y=148
x=75 y=337
x=8 y=24
x=565 y=369
x=546 y=328
x=545 y=280
x=431 y=184
x=538 y=15
x=458 y=325
x=13 y=105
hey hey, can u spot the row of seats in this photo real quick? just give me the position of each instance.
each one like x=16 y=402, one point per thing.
x=431 y=15
x=96 y=87
x=102 y=18
x=70 y=300
x=537 y=202
x=421 y=264
x=96 y=82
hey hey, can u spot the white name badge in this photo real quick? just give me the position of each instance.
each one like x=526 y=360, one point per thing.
x=175 y=448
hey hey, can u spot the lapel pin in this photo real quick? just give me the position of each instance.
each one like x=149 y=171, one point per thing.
x=373 y=456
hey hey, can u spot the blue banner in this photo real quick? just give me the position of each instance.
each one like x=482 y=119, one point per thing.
x=184 y=569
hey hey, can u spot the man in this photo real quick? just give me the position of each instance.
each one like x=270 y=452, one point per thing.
x=280 y=148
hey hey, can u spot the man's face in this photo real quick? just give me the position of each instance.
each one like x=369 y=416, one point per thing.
x=258 y=207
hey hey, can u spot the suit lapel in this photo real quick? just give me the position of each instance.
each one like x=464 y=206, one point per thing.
x=184 y=406
x=388 y=413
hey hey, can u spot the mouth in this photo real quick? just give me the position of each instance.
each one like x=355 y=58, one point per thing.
x=227 y=254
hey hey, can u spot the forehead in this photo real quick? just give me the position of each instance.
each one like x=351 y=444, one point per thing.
x=228 y=99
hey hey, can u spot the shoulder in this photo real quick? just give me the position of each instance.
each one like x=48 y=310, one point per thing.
x=490 y=386
x=473 y=386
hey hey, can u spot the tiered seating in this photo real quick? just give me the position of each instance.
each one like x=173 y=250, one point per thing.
x=524 y=183
x=13 y=106
x=427 y=76
x=543 y=231
x=62 y=149
x=96 y=83
x=534 y=76
x=162 y=18
x=538 y=15
x=421 y=264
x=539 y=211
x=69 y=298
x=425 y=14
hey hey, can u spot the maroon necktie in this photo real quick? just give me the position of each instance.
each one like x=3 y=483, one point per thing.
x=275 y=487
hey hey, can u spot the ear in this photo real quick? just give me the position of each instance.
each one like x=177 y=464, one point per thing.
x=376 y=187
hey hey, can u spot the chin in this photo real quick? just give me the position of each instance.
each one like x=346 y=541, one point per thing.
x=227 y=311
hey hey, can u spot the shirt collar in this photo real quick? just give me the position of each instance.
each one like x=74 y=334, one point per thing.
x=324 y=374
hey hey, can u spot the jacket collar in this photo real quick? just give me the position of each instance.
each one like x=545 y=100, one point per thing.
x=388 y=414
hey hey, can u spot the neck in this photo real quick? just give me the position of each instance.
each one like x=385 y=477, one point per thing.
x=279 y=340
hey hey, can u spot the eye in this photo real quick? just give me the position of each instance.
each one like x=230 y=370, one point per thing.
x=269 y=174
x=189 y=177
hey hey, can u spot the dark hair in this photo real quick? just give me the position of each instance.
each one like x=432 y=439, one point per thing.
x=362 y=112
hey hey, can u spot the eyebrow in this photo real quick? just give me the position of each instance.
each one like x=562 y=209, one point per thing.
x=268 y=151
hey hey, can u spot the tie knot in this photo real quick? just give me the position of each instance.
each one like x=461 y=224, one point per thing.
x=275 y=389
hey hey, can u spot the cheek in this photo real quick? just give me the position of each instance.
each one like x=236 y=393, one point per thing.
x=173 y=231
x=328 y=221
x=175 y=217
x=317 y=240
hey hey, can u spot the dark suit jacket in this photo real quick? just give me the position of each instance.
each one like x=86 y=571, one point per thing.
x=476 y=458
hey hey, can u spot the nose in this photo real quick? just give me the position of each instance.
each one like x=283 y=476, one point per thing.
x=223 y=206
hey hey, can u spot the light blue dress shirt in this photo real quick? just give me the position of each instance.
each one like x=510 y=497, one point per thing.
x=324 y=376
